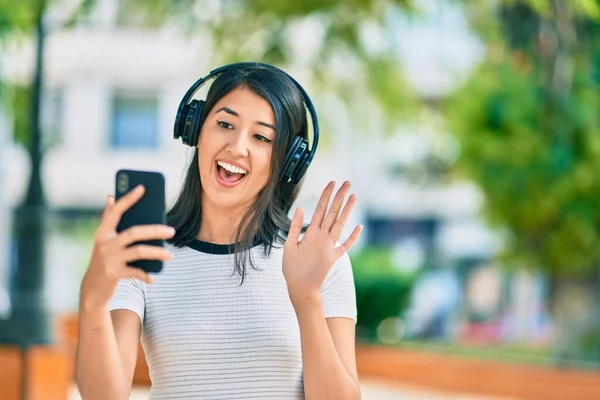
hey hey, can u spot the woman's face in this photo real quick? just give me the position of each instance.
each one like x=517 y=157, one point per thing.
x=235 y=148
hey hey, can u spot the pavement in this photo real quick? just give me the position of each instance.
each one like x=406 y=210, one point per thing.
x=371 y=390
x=384 y=390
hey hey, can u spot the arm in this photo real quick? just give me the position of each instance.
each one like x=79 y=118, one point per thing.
x=317 y=291
x=107 y=346
x=106 y=353
x=328 y=355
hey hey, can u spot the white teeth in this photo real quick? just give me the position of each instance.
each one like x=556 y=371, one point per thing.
x=232 y=168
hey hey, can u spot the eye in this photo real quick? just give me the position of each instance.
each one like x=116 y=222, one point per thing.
x=262 y=138
x=224 y=125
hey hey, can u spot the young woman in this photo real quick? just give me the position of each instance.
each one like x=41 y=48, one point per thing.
x=249 y=305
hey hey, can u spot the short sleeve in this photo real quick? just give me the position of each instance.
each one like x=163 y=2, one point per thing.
x=130 y=295
x=338 y=292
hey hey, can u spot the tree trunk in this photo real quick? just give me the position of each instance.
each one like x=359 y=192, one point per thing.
x=573 y=307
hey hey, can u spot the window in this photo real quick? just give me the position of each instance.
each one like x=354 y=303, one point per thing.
x=134 y=122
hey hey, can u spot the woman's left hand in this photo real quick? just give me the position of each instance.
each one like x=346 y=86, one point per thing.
x=306 y=262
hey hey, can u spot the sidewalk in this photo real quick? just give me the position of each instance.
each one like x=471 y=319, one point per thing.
x=371 y=390
x=383 y=390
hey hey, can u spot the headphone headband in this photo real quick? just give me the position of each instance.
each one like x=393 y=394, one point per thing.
x=298 y=156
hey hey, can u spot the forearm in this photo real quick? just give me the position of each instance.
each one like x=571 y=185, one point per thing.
x=324 y=374
x=99 y=369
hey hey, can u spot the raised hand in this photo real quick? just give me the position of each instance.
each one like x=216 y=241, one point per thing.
x=306 y=262
x=113 y=251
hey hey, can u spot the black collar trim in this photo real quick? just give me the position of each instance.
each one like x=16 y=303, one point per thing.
x=213 y=248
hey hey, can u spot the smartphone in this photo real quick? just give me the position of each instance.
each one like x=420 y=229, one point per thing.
x=150 y=209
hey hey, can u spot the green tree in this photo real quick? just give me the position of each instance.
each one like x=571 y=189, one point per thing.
x=528 y=128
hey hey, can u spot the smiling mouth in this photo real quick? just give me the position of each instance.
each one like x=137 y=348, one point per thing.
x=229 y=176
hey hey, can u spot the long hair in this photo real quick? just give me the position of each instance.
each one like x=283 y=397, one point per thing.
x=268 y=215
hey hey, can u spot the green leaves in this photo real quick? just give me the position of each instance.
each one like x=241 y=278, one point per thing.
x=382 y=291
x=16 y=17
x=536 y=158
x=587 y=8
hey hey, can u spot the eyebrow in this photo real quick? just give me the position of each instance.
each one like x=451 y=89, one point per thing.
x=230 y=111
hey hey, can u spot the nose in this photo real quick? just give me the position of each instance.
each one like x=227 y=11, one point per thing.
x=238 y=146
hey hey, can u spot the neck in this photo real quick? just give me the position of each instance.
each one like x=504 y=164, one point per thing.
x=219 y=224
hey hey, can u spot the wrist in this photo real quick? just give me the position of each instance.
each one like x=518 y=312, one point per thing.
x=94 y=295
x=91 y=302
x=305 y=298
x=90 y=305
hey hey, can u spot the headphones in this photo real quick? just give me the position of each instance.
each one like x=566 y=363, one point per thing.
x=189 y=120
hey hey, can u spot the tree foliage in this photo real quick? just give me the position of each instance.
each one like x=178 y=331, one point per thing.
x=16 y=16
x=529 y=132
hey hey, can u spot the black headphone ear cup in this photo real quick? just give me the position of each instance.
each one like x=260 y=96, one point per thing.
x=302 y=167
x=295 y=157
x=193 y=121
x=291 y=160
x=177 y=129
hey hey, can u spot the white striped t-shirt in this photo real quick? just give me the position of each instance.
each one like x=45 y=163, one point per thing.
x=208 y=337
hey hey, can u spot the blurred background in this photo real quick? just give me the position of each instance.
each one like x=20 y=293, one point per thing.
x=469 y=129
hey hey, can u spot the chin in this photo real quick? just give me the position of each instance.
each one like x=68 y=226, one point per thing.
x=225 y=199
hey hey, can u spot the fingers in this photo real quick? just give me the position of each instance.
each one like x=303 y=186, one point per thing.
x=133 y=272
x=334 y=210
x=116 y=264
x=110 y=202
x=296 y=226
x=144 y=232
x=351 y=241
x=112 y=217
x=319 y=215
x=340 y=224
x=146 y=252
x=102 y=232
x=142 y=252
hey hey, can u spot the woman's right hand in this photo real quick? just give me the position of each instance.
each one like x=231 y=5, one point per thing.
x=112 y=252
